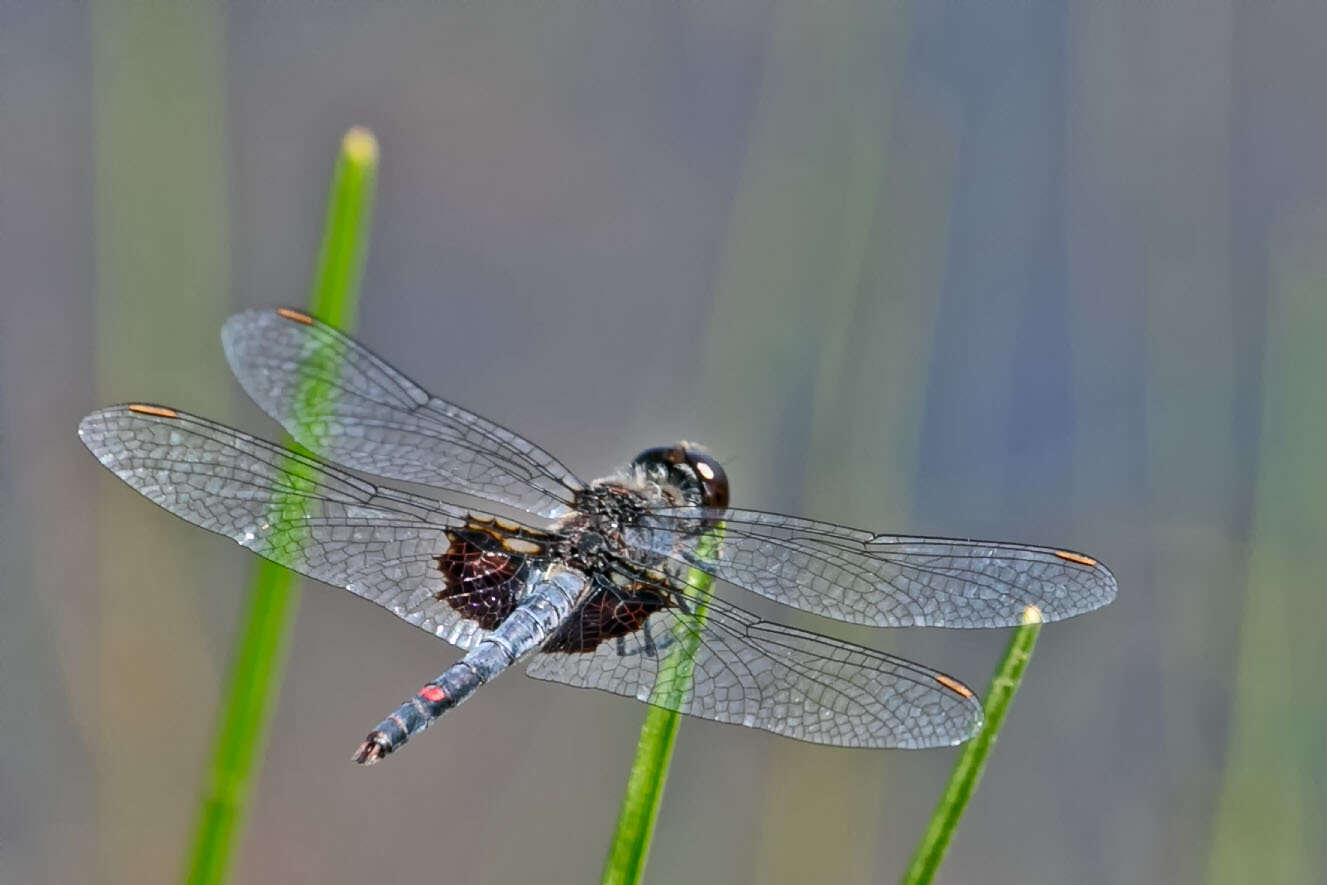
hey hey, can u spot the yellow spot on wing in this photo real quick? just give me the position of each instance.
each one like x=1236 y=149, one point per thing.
x=954 y=685
x=159 y=411
x=295 y=315
x=1033 y=615
x=1076 y=557
x=520 y=545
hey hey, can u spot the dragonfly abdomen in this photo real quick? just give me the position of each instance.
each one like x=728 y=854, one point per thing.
x=548 y=603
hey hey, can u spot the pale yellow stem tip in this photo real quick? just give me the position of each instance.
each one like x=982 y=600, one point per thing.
x=360 y=146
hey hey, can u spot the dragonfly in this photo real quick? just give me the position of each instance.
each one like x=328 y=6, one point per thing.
x=606 y=584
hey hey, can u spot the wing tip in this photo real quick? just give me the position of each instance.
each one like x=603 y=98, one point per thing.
x=96 y=420
x=972 y=727
x=238 y=325
x=1108 y=590
x=87 y=425
x=964 y=725
x=963 y=722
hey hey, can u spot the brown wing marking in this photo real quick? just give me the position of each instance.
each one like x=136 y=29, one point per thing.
x=608 y=612
x=486 y=569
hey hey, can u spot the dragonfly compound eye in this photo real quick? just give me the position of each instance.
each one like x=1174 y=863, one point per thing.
x=713 y=481
x=694 y=472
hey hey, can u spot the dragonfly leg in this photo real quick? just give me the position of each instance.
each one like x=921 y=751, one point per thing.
x=651 y=650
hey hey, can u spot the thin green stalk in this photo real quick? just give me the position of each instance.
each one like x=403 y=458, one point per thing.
x=630 y=848
x=967 y=771
x=259 y=659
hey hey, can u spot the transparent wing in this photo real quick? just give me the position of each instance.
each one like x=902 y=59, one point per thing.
x=380 y=544
x=752 y=672
x=350 y=406
x=882 y=580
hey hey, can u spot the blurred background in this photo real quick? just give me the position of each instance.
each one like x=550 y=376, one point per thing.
x=1036 y=271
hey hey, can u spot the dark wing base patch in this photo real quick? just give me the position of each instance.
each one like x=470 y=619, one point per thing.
x=483 y=578
x=608 y=612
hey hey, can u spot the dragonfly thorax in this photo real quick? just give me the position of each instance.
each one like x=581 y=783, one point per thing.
x=594 y=533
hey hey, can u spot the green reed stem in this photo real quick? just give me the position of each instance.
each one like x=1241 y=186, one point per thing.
x=630 y=848
x=260 y=653
x=967 y=771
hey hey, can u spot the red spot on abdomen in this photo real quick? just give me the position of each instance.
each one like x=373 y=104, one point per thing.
x=432 y=693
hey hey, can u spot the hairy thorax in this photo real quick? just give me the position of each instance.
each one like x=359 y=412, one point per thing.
x=606 y=519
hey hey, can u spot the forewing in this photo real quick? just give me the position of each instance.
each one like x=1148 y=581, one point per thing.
x=380 y=544
x=752 y=672
x=350 y=406
x=883 y=580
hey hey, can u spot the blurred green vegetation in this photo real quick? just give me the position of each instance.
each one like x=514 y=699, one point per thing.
x=257 y=668
x=972 y=760
x=1272 y=810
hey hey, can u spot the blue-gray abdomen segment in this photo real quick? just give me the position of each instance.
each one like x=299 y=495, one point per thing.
x=548 y=603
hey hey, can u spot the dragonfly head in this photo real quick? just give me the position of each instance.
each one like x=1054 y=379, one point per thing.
x=690 y=469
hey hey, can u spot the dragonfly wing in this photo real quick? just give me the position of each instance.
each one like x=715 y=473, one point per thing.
x=883 y=580
x=381 y=544
x=756 y=673
x=347 y=404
